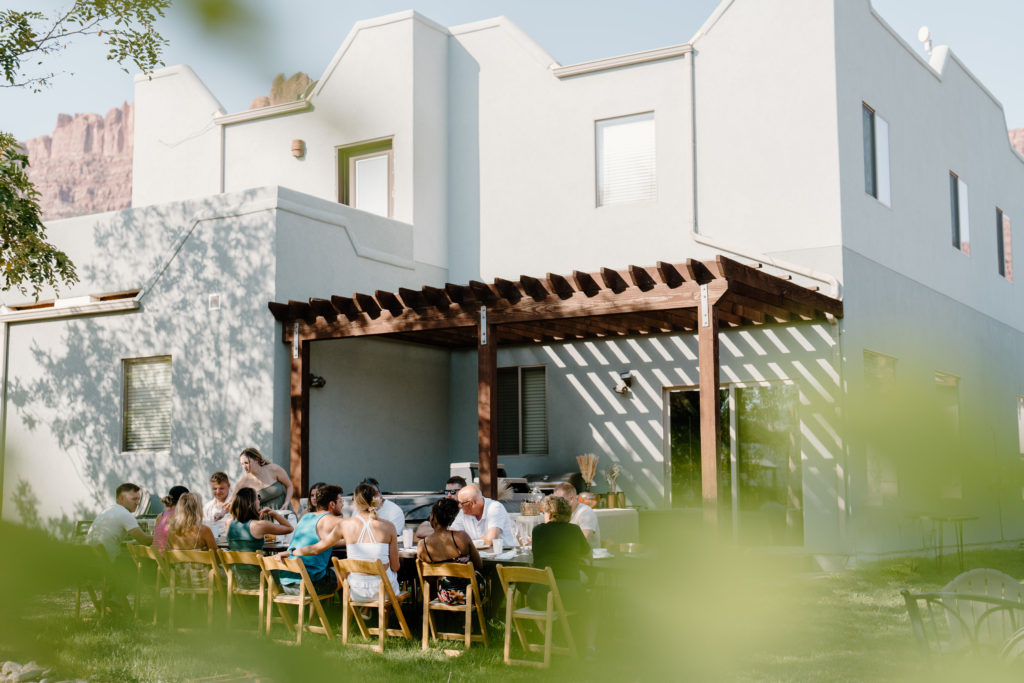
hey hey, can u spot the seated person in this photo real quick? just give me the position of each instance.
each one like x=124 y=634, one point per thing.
x=367 y=538
x=164 y=520
x=111 y=529
x=445 y=545
x=482 y=518
x=583 y=515
x=246 y=531
x=388 y=510
x=310 y=533
x=187 y=532
x=311 y=505
x=451 y=489
x=215 y=512
x=559 y=544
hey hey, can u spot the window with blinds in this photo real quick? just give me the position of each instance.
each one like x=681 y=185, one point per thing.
x=522 y=411
x=146 y=420
x=625 y=159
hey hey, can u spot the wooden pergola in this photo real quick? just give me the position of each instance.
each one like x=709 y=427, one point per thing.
x=685 y=297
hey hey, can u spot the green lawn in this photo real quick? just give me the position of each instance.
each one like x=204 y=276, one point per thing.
x=703 y=613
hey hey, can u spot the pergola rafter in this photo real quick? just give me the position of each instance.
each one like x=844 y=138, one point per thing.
x=687 y=297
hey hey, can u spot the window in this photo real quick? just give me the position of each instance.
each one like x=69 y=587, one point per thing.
x=365 y=177
x=880 y=387
x=876 y=156
x=147 y=404
x=625 y=159
x=1005 y=254
x=947 y=389
x=958 y=213
x=522 y=411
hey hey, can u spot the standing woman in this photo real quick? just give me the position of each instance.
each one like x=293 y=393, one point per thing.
x=366 y=538
x=162 y=522
x=270 y=481
x=187 y=532
x=246 y=532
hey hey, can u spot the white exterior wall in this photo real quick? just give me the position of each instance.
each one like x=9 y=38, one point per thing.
x=529 y=175
x=585 y=415
x=176 y=153
x=767 y=150
x=907 y=287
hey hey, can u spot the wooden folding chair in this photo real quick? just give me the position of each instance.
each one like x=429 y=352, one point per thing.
x=208 y=558
x=96 y=589
x=386 y=598
x=473 y=600
x=142 y=555
x=511 y=579
x=307 y=597
x=229 y=559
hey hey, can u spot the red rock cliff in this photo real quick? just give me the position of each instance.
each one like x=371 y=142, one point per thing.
x=85 y=166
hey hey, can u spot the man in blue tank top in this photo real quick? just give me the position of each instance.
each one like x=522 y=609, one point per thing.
x=310 y=529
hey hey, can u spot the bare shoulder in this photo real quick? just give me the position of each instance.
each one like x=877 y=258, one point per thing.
x=383 y=527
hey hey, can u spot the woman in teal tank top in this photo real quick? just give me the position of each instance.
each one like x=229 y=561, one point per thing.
x=246 y=532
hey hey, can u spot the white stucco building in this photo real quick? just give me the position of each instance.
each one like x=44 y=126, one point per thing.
x=806 y=136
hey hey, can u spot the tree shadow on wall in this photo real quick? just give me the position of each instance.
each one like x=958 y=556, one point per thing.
x=222 y=358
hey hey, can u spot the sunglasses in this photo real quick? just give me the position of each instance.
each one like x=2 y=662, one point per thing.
x=451 y=492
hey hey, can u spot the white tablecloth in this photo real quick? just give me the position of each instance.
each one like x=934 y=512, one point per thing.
x=618 y=525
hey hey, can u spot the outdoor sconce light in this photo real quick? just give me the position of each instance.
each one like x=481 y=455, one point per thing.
x=317 y=382
x=298 y=148
x=626 y=379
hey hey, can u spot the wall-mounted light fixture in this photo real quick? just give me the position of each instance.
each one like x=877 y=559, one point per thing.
x=625 y=382
x=317 y=382
x=298 y=148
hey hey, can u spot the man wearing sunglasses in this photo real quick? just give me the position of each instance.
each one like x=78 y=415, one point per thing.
x=451 y=490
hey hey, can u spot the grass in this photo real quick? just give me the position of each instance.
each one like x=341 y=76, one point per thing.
x=703 y=612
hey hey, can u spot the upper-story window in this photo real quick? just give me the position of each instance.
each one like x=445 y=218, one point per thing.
x=876 y=155
x=625 y=159
x=366 y=177
x=1003 y=248
x=958 y=213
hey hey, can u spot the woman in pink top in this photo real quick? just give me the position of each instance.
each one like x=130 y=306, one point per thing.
x=170 y=502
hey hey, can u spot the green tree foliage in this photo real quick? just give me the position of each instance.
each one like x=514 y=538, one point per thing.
x=27 y=261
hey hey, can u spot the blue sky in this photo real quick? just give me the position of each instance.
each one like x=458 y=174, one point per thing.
x=302 y=35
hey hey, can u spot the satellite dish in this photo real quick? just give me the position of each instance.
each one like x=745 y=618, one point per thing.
x=925 y=36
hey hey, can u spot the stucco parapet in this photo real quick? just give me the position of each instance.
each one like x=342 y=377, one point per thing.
x=263 y=112
x=631 y=59
x=531 y=46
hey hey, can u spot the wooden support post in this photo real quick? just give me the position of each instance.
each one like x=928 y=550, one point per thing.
x=710 y=413
x=487 y=405
x=298 y=460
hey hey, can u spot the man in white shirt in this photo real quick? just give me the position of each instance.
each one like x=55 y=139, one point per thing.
x=111 y=529
x=215 y=512
x=388 y=510
x=583 y=515
x=482 y=518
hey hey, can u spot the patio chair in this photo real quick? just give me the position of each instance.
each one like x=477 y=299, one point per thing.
x=97 y=555
x=307 y=597
x=473 y=602
x=977 y=611
x=514 y=583
x=142 y=555
x=176 y=562
x=386 y=599
x=229 y=560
